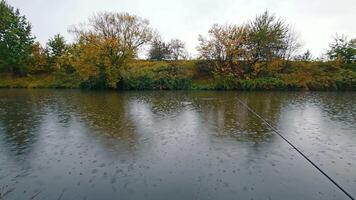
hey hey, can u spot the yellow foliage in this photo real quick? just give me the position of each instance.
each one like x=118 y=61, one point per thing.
x=96 y=56
x=275 y=66
x=38 y=62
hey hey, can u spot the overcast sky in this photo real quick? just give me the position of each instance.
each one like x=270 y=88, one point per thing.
x=316 y=21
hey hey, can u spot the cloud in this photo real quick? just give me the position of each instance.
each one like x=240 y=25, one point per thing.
x=316 y=21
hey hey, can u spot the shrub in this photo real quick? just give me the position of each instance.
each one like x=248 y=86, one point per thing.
x=61 y=79
x=158 y=77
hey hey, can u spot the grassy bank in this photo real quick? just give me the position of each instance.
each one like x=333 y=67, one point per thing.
x=191 y=75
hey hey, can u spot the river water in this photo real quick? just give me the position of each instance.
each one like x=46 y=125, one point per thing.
x=72 y=144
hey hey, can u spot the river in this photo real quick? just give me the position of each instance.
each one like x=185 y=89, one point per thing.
x=73 y=144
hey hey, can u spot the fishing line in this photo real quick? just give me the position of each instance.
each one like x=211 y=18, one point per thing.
x=295 y=148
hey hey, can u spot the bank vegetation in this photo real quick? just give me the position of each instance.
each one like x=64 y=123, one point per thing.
x=261 y=54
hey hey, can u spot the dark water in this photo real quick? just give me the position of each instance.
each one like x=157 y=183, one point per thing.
x=71 y=144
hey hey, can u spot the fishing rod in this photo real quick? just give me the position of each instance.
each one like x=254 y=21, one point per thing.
x=295 y=148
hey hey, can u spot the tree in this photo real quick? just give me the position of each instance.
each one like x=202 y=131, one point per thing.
x=174 y=50
x=342 y=49
x=56 y=47
x=306 y=56
x=38 y=63
x=130 y=31
x=177 y=49
x=249 y=49
x=159 y=50
x=107 y=43
x=225 y=48
x=89 y=59
x=16 y=40
x=269 y=39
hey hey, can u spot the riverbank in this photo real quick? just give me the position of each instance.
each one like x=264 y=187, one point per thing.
x=192 y=75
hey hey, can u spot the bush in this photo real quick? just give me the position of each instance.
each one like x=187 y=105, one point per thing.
x=161 y=77
x=227 y=82
x=346 y=80
x=231 y=83
x=185 y=75
x=64 y=80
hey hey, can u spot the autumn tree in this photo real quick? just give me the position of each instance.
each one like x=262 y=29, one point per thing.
x=250 y=48
x=38 y=62
x=224 y=48
x=107 y=43
x=16 y=40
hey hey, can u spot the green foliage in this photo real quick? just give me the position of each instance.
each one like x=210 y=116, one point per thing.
x=56 y=47
x=346 y=80
x=231 y=83
x=161 y=77
x=225 y=82
x=63 y=79
x=15 y=40
x=267 y=38
x=342 y=49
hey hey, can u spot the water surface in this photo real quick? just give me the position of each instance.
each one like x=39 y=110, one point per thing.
x=71 y=144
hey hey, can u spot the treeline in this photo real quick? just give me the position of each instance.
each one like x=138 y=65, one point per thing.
x=260 y=54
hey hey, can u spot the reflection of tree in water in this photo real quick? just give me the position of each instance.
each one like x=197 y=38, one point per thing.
x=230 y=119
x=165 y=102
x=268 y=104
x=338 y=106
x=220 y=112
x=20 y=116
x=106 y=113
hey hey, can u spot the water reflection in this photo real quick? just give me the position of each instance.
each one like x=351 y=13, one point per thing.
x=158 y=145
x=20 y=115
x=322 y=125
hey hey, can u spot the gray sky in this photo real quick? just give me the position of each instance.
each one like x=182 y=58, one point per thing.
x=316 y=21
